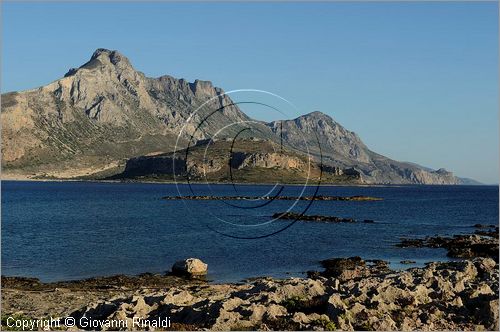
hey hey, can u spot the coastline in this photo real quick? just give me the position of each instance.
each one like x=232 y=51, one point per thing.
x=351 y=294
x=30 y=179
x=367 y=185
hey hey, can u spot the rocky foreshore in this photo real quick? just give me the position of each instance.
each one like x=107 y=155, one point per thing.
x=351 y=294
x=285 y=198
x=484 y=243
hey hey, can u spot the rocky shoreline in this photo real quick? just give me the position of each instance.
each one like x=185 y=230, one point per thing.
x=484 y=243
x=350 y=294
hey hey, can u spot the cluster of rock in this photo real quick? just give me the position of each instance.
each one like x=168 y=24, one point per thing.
x=345 y=269
x=316 y=218
x=460 y=246
x=350 y=295
x=343 y=198
x=487 y=230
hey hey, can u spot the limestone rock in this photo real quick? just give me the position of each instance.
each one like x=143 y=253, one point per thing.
x=416 y=299
x=190 y=267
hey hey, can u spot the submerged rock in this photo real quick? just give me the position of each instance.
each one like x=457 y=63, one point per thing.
x=352 y=268
x=317 y=218
x=282 y=198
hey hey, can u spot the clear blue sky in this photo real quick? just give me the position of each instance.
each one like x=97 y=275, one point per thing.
x=417 y=81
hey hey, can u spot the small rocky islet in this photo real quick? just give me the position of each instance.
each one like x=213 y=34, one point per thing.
x=286 y=198
x=316 y=218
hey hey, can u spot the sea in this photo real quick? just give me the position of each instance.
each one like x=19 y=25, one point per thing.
x=58 y=231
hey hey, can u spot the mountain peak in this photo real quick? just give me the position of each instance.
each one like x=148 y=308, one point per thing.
x=317 y=115
x=103 y=57
x=112 y=56
x=100 y=51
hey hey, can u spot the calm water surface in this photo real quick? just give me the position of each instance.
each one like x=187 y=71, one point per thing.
x=72 y=230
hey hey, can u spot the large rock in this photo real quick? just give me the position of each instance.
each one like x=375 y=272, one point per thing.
x=190 y=267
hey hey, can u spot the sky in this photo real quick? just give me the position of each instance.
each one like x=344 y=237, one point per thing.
x=416 y=81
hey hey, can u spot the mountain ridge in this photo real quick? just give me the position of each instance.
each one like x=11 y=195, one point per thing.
x=103 y=113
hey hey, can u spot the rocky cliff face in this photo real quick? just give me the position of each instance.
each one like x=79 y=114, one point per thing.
x=320 y=135
x=316 y=129
x=102 y=113
x=242 y=160
x=105 y=112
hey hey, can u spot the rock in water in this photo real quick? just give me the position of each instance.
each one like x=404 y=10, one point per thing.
x=190 y=267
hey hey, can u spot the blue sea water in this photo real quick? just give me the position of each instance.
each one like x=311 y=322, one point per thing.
x=72 y=230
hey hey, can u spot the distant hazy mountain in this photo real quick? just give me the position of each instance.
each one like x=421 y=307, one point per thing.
x=343 y=148
x=97 y=117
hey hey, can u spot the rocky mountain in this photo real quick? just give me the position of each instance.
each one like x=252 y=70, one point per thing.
x=343 y=148
x=98 y=117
